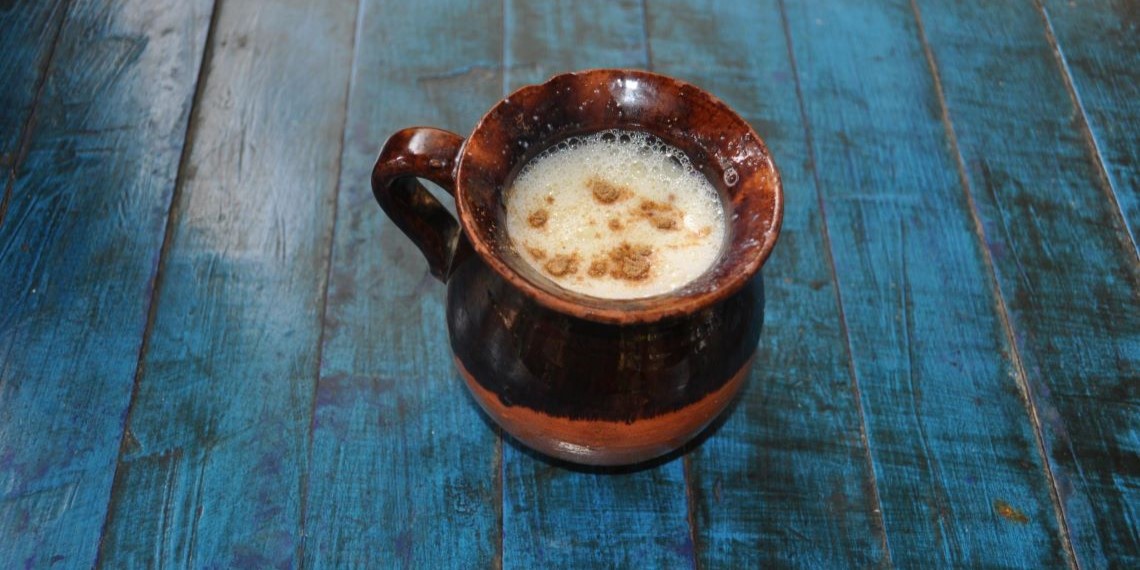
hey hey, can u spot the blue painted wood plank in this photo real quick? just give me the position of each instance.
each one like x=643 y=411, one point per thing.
x=786 y=481
x=543 y=39
x=1098 y=43
x=554 y=516
x=212 y=468
x=1061 y=256
x=78 y=251
x=404 y=473
x=28 y=34
x=950 y=434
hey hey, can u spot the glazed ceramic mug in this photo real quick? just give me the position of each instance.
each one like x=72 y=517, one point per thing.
x=589 y=380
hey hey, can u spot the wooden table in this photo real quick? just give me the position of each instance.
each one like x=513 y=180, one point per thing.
x=217 y=352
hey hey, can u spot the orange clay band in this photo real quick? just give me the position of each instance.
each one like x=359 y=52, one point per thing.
x=606 y=442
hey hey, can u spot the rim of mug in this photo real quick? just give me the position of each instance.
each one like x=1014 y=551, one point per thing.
x=676 y=303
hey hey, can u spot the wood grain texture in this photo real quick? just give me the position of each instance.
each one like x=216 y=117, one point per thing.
x=1098 y=43
x=1061 y=257
x=786 y=481
x=542 y=40
x=404 y=472
x=554 y=516
x=28 y=33
x=959 y=241
x=78 y=249
x=212 y=467
x=948 y=428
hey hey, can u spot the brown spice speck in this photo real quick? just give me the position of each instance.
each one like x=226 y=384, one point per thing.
x=549 y=199
x=538 y=218
x=536 y=253
x=630 y=262
x=1009 y=513
x=663 y=216
x=562 y=265
x=598 y=268
x=615 y=224
x=606 y=192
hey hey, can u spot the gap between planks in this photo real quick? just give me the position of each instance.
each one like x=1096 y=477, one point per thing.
x=157 y=281
x=829 y=250
x=25 y=139
x=1021 y=377
x=1086 y=129
x=322 y=310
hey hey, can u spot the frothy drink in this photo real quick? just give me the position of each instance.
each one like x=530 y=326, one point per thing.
x=616 y=215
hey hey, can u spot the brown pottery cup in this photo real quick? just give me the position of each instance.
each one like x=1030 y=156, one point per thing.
x=589 y=380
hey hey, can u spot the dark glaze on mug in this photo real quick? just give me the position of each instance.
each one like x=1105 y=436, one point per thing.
x=589 y=380
x=597 y=392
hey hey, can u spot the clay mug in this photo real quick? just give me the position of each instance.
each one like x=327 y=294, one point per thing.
x=589 y=380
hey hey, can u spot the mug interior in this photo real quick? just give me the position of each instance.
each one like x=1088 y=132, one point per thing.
x=720 y=144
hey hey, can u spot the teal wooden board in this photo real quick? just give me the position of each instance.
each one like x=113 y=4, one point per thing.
x=28 y=34
x=554 y=516
x=559 y=517
x=1098 y=43
x=542 y=40
x=948 y=428
x=1061 y=256
x=213 y=466
x=217 y=352
x=786 y=481
x=78 y=249
x=404 y=473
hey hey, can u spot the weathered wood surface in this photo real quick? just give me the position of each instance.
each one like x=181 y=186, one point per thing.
x=404 y=473
x=212 y=470
x=78 y=250
x=28 y=34
x=947 y=375
x=1061 y=257
x=948 y=429
x=786 y=481
x=1098 y=45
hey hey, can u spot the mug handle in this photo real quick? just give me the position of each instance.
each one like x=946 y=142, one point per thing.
x=428 y=153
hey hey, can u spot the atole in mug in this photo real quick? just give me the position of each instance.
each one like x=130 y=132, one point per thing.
x=581 y=377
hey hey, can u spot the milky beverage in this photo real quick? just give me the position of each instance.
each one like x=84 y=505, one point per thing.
x=616 y=215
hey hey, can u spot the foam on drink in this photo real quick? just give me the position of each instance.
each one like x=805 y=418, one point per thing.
x=616 y=215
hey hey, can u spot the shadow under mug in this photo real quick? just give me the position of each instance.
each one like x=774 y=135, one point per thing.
x=584 y=379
